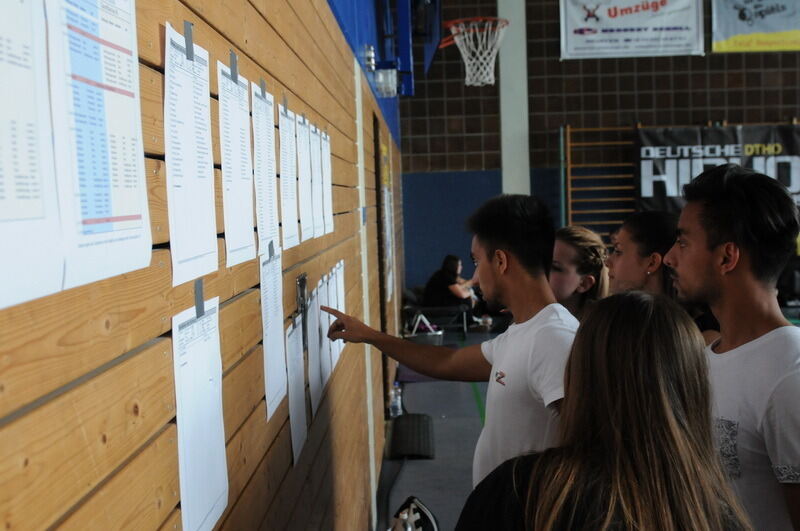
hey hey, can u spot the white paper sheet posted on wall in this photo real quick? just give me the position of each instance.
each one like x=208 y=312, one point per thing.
x=327 y=182
x=30 y=229
x=237 y=167
x=340 y=285
x=97 y=138
x=297 y=386
x=288 y=141
x=305 y=197
x=317 y=193
x=334 y=302
x=190 y=165
x=272 y=323
x=333 y=344
x=202 y=464
x=264 y=169
x=314 y=365
x=325 y=321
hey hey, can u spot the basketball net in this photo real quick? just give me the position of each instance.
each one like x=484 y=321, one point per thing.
x=478 y=40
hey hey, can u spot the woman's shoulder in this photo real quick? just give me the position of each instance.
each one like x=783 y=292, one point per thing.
x=441 y=276
x=511 y=473
x=522 y=467
x=499 y=500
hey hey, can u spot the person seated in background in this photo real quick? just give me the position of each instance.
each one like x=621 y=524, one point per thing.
x=579 y=274
x=636 y=447
x=446 y=287
x=636 y=262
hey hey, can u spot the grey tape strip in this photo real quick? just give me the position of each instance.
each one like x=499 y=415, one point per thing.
x=199 y=305
x=234 y=68
x=271 y=249
x=263 y=85
x=187 y=37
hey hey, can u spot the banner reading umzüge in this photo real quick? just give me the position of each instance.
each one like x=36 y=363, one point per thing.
x=671 y=157
x=755 y=25
x=630 y=28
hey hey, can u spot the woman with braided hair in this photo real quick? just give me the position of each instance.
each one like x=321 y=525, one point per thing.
x=579 y=274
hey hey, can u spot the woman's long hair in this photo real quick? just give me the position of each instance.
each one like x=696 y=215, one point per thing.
x=590 y=260
x=654 y=231
x=637 y=449
x=450 y=266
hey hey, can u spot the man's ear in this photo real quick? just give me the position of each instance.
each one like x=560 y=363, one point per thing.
x=587 y=283
x=729 y=257
x=501 y=260
x=654 y=262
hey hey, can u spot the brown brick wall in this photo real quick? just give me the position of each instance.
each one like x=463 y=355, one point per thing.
x=448 y=126
x=661 y=91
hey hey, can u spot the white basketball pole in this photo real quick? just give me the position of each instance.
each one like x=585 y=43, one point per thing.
x=514 y=141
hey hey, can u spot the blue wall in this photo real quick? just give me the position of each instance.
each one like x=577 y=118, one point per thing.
x=436 y=207
x=546 y=185
x=435 y=210
x=358 y=20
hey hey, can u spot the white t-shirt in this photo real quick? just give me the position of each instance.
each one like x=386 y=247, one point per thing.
x=756 y=407
x=528 y=363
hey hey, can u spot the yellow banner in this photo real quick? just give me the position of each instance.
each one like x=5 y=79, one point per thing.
x=782 y=41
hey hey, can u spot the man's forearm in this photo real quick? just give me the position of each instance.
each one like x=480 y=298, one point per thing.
x=430 y=360
x=466 y=364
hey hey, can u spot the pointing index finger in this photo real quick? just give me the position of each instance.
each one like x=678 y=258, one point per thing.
x=335 y=313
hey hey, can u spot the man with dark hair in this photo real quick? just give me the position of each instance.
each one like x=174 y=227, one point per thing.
x=512 y=247
x=735 y=235
x=520 y=224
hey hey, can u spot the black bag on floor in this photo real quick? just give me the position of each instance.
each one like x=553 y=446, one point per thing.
x=414 y=516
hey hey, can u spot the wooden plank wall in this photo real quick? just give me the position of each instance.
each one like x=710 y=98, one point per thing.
x=88 y=438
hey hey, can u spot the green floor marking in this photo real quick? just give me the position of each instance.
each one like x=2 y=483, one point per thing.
x=476 y=393
x=479 y=401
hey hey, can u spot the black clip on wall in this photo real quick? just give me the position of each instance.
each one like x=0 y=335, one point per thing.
x=302 y=305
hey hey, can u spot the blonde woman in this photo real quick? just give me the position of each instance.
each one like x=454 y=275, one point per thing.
x=636 y=449
x=579 y=274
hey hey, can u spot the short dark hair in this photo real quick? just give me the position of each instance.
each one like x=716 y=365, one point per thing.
x=750 y=209
x=518 y=224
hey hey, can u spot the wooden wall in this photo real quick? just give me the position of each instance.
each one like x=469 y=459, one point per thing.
x=87 y=400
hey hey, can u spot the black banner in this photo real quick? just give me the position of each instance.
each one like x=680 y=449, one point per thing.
x=671 y=157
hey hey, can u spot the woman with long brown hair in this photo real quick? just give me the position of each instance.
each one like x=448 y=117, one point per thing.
x=579 y=274
x=636 y=446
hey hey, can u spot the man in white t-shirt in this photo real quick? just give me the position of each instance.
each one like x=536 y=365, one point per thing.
x=735 y=235
x=512 y=247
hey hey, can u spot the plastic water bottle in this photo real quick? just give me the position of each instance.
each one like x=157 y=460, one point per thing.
x=396 y=401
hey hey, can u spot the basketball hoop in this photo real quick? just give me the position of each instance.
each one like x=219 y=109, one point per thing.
x=478 y=39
